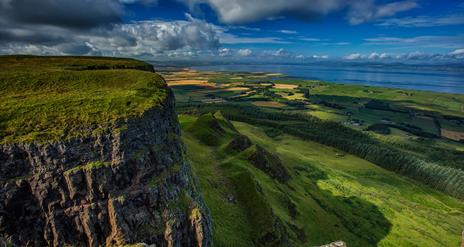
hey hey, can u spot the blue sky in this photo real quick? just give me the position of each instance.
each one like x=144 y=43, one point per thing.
x=294 y=30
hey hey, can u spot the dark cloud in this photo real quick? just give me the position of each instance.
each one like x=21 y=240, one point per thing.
x=79 y=14
x=243 y=11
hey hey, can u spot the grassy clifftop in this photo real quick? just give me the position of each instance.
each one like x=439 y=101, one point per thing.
x=51 y=98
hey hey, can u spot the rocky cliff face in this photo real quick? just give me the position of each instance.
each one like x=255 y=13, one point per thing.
x=130 y=183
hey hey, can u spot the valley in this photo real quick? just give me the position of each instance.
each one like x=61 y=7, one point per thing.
x=330 y=196
x=335 y=192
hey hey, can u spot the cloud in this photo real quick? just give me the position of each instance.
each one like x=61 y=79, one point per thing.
x=354 y=56
x=78 y=14
x=364 y=11
x=145 y=38
x=145 y=2
x=416 y=56
x=419 y=41
x=284 y=31
x=310 y=39
x=245 y=11
x=281 y=53
x=320 y=56
x=244 y=52
x=423 y=21
x=377 y=56
x=371 y=56
x=229 y=38
x=458 y=54
x=223 y=52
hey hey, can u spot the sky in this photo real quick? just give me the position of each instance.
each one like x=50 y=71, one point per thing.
x=238 y=30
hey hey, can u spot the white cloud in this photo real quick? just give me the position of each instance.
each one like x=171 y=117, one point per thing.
x=145 y=38
x=228 y=38
x=224 y=52
x=417 y=56
x=244 y=52
x=419 y=41
x=377 y=56
x=424 y=21
x=320 y=56
x=458 y=54
x=281 y=53
x=288 y=31
x=310 y=39
x=354 y=56
x=364 y=11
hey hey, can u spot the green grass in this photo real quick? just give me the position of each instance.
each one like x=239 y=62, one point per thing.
x=61 y=97
x=452 y=104
x=417 y=215
x=336 y=196
x=212 y=129
x=231 y=224
x=88 y=166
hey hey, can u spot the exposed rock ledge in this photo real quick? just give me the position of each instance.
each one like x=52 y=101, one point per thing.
x=130 y=184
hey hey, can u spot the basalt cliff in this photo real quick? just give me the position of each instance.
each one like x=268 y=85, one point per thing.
x=129 y=183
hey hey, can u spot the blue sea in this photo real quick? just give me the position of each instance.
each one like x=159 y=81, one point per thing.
x=429 y=78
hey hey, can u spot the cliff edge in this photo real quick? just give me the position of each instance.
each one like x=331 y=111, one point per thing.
x=115 y=176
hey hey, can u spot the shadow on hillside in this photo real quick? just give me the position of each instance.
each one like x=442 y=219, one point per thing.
x=361 y=218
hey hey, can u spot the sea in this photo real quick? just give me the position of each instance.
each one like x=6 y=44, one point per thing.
x=428 y=78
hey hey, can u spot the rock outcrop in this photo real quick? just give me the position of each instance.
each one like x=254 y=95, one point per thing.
x=335 y=244
x=462 y=239
x=129 y=183
x=269 y=163
x=240 y=143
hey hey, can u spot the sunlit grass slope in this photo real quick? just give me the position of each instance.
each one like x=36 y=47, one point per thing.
x=330 y=196
x=52 y=98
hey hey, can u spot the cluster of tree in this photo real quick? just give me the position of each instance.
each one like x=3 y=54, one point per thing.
x=443 y=178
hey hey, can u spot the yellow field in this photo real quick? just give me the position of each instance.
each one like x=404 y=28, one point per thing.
x=453 y=135
x=285 y=86
x=236 y=89
x=190 y=82
x=268 y=104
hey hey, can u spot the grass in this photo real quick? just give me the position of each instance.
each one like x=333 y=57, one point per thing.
x=52 y=98
x=331 y=196
x=231 y=224
x=88 y=166
x=452 y=104
x=417 y=215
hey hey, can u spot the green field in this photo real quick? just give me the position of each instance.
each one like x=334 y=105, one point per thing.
x=50 y=98
x=331 y=195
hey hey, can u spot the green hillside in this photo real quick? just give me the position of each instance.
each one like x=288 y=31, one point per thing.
x=330 y=195
x=50 y=98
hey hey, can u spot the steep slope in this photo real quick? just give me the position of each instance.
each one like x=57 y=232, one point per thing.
x=105 y=166
x=329 y=196
x=242 y=214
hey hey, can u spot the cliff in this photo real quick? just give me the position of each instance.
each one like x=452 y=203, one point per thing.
x=126 y=181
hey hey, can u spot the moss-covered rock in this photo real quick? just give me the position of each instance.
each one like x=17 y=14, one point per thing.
x=267 y=162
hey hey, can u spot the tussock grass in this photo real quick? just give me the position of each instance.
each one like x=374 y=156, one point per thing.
x=52 y=98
